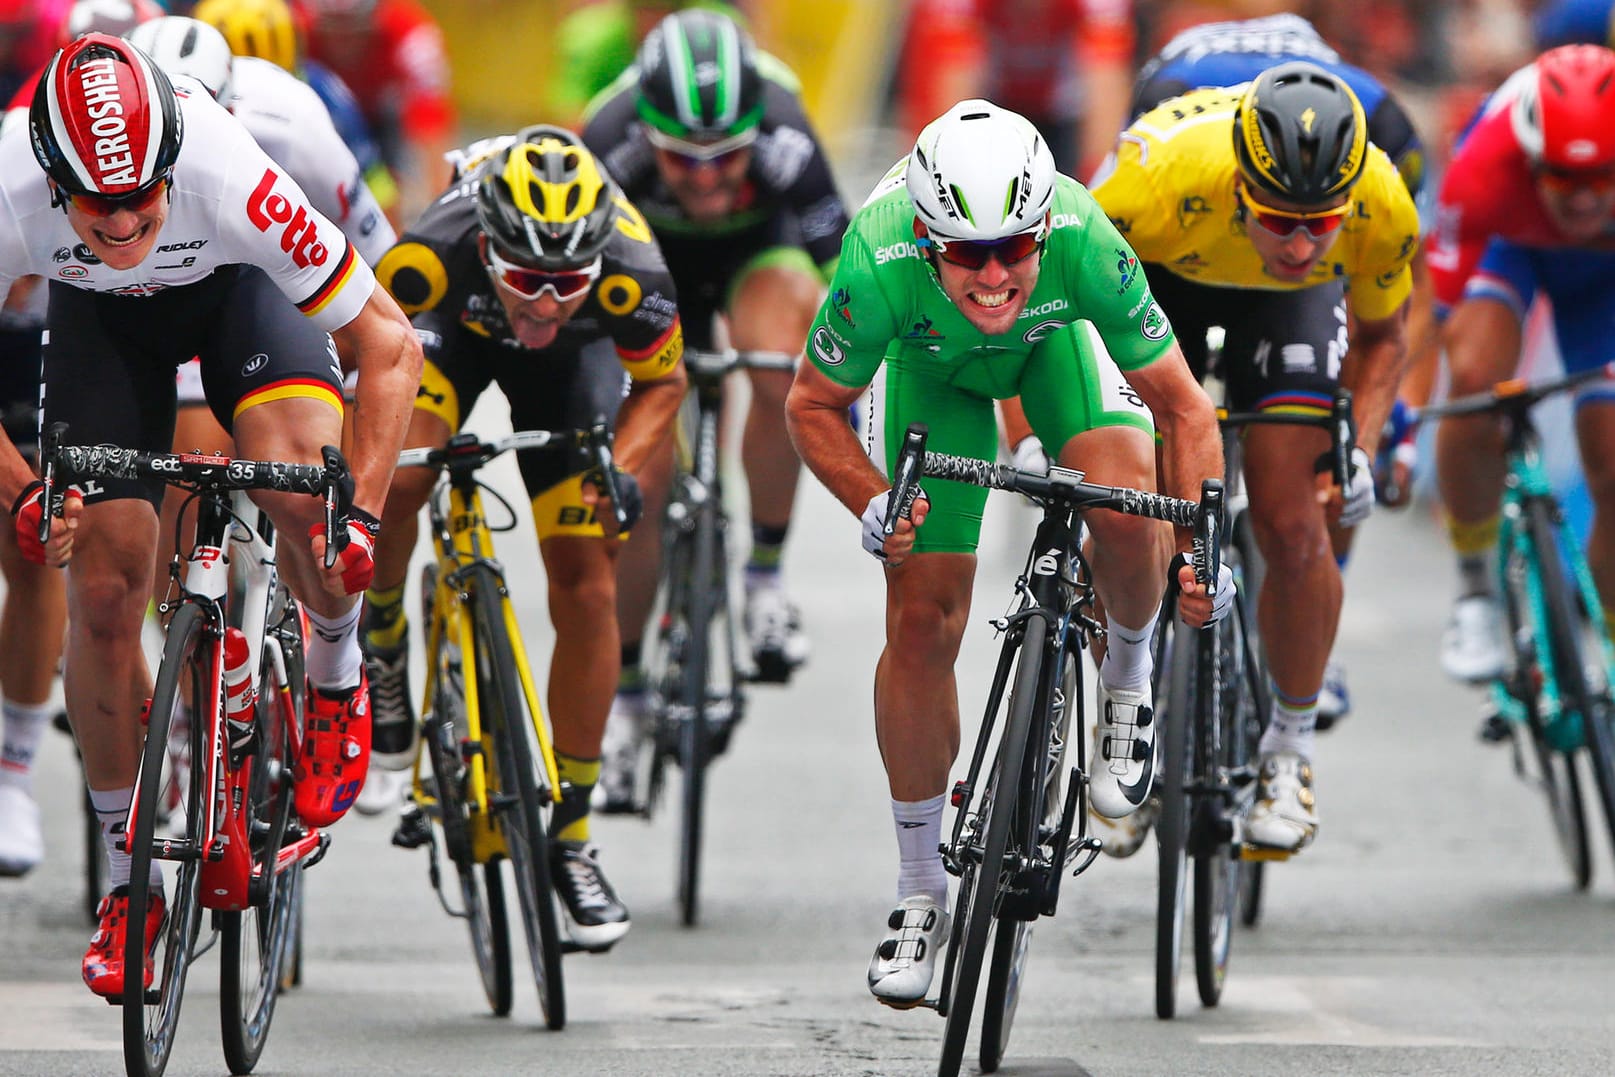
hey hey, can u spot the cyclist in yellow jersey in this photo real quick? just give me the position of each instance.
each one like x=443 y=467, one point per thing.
x=1265 y=210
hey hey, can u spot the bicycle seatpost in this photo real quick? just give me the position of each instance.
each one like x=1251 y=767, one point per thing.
x=906 y=484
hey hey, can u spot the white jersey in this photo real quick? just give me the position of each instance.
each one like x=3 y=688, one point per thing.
x=229 y=204
x=293 y=126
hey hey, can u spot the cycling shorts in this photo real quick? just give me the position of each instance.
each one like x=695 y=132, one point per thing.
x=109 y=361
x=1281 y=349
x=708 y=269
x=1068 y=385
x=19 y=386
x=546 y=391
x=1580 y=283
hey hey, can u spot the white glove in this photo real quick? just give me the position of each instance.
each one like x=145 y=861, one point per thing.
x=1359 y=492
x=1028 y=455
x=1223 y=600
x=874 y=524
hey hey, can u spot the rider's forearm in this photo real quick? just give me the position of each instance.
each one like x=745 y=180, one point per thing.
x=1373 y=372
x=830 y=449
x=1193 y=453
x=645 y=418
x=389 y=374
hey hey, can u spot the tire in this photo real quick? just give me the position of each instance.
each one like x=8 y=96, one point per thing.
x=482 y=895
x=1172 y=828
x=1556 y=773
x=1013 y=938
x=1578 y=651
x=253 y=941
x=151 y=1019
x=978 y=902
x=695 y=739
x=518 y=802
x=1217 y=865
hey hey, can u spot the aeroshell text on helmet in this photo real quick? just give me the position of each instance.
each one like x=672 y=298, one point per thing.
x=114 y=163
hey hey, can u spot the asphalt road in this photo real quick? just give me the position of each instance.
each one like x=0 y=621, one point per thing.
x=1430 y=930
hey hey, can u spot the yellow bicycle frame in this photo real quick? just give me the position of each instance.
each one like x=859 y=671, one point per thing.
x=468 y=540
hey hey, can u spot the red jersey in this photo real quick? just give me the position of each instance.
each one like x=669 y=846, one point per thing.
x=1488 y=192
x=396 y=65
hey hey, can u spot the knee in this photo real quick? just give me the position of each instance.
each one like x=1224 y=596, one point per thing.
x=105 y=601
x=926 y=628
x=583 y=591
x=1125 y=537
x=1292 y=541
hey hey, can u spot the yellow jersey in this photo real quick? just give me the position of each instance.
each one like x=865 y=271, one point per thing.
x=1171 y=193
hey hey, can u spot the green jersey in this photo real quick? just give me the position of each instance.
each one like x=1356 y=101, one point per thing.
x=888 y=326
x=885 y=301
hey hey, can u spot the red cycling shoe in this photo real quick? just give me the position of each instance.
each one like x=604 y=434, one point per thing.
x=103 y=961
x=336 y=753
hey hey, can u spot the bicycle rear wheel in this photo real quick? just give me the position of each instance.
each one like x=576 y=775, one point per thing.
x=482 y=892
x=151 y=1016
x=981 y=887
x=1556 y=773
x=521 y=807
x=1039 y=823
x=1579 y=667
x=1174 y=713
x=253 y=941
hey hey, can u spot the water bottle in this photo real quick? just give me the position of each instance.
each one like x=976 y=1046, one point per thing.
x=240 y=693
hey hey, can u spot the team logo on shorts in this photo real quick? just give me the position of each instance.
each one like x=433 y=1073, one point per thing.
x=255 y=364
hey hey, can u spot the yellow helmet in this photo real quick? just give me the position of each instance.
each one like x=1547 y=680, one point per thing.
x=545 y=201
x=261 y=28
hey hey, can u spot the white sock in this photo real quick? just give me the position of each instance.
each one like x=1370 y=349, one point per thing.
x=919 y=833
x=24 y=726
x=334 y=658
x=112 y=809
x=1291 y=727
x=1127 y=665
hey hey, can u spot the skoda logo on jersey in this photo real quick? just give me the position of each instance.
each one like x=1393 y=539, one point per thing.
x=1154 y=326
x=255 y=364
x=1041 y=330
x=1044 y=308
x=826 y=348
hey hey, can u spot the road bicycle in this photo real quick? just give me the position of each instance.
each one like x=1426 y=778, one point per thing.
x=493 y=779
x=1552 y=704
x=695 y=668
x=238 y=847
x=1211 y=702
x=1021 y=818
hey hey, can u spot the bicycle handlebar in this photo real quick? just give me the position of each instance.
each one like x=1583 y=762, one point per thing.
x=1510 y=395
x=715 y=364
x=1061 y=486
x=1340 y=423
x=466 y=452
x=61 y=462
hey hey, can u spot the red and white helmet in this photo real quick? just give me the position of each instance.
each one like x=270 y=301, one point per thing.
x=104 y=119
x=1565 y=117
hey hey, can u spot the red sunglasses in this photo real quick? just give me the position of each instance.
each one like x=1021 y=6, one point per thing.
x=973 y=253
x=529 y=283
x=138 y=200
x=1571 y=180
x=1283 y=223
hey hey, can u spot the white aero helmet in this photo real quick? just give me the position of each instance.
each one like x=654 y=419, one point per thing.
x=182 y=46
x=980 y=172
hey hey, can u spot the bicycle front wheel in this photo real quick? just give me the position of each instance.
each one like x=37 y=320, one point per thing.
x=1579 y=668
x=981 y=887
x=253 y=941
x=521 y=806
x=1040 y=824
x=1556 y=774
x=1174 y=715
x=155 y=982
x=695 y=739
x=482 y=893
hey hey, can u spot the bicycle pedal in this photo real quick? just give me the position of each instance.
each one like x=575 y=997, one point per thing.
x=319 y=850
x=1264 y=853
x=413 y=831
x=917 y=1004
x=1495 y=729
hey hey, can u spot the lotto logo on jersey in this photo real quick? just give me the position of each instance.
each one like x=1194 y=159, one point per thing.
x=299 y=236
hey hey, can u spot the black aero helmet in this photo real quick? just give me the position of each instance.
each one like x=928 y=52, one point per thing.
x=1300 y=134
x=698 y=78
x=545 y=201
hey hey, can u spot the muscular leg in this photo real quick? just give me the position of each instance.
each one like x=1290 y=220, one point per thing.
x=1595 y=429
x=195 y=430
x=1483 y=346
x=583 y=670
x=1130 y=553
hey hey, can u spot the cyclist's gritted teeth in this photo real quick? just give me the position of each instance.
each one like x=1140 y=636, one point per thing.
x=992 y=300
x=113 y=239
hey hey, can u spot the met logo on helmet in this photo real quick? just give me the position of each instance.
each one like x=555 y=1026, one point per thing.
x=300 y=238
x=103 y=103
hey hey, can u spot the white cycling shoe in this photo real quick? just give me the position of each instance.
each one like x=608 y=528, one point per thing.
x=904 y=962
x=1285 y=815
x=1472 y=645
x=1124 y=764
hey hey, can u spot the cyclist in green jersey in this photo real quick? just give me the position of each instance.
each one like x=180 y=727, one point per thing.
x=975 y=272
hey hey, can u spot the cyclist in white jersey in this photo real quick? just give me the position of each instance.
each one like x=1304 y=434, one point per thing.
x=165 y=232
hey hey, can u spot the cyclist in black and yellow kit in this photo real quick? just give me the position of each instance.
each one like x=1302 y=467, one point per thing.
x=1264 y=209
x=536 y=273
